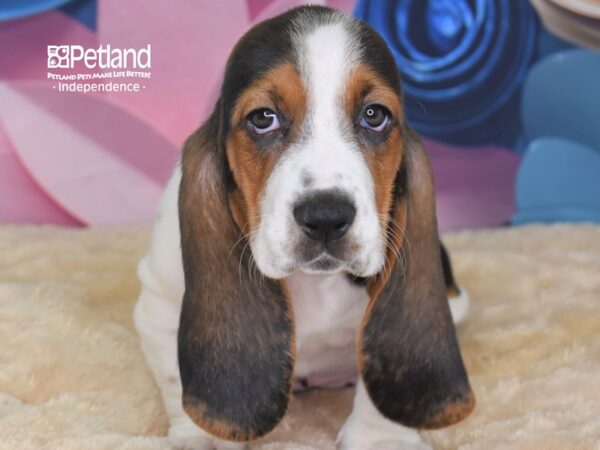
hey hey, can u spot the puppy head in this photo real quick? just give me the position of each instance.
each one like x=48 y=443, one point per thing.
x=313 y=141
x=307 y=160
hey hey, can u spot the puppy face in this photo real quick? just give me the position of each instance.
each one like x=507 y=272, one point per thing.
x=313 y=143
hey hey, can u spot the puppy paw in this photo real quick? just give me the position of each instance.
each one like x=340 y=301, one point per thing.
x=186 y=435
x=355 y=436
x=459 y=305
x=384 y=445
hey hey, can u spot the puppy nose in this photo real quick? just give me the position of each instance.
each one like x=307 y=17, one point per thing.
x=325 y=216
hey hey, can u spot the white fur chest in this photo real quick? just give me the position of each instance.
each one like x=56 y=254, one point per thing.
x=328 y=310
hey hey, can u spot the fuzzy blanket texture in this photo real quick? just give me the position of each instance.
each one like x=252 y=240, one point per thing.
x=72 y=375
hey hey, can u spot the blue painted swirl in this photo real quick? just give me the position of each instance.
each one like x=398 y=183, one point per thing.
x=463 y=63
x=17 y=9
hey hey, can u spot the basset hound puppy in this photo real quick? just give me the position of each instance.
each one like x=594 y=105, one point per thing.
x=296 y=245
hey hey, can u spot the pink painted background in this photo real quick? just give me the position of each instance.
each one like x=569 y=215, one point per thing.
x=103 y=159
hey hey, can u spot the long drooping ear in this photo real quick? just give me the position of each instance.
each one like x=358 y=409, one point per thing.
x=408 y=352
x=235 y=342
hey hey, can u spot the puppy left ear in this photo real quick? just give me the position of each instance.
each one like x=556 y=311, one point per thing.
x=408 y=352
x=236 y=334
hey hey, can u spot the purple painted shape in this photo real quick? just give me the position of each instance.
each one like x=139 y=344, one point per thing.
x=345 y=6
x=255 y=7
x=262 y=9
x=474 y=185
x=23 y=43
x=21 y=199
x=121 y=135
x=97 y=162
x=280 y=6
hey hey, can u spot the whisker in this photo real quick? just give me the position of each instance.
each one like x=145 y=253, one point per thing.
x=396 y=236
x=241 y=259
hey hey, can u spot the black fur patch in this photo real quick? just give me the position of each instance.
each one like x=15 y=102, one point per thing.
x=447 y=266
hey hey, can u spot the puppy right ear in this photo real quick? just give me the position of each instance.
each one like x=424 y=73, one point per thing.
x=409 y=359
x=235 y=342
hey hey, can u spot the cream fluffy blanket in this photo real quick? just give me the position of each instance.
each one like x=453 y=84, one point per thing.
x=72 y=375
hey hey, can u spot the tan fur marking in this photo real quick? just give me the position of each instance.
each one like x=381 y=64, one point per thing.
x=452 y=413
x=452 y=292
x=282 y=90
x=365 y=87
x=217 y=428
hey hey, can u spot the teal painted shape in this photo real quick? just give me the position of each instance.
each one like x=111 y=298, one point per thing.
x=558 y=180
x=561 y=98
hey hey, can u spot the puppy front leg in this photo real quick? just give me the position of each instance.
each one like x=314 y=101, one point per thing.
x=157 y=321
x=366 y=429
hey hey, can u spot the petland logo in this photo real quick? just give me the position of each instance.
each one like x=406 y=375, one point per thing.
x=105 y=63
x=104 y=57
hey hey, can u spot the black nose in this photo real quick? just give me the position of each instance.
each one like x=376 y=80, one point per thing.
x=325 y=216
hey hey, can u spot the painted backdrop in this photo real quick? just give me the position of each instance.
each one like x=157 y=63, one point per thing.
x=506 y=94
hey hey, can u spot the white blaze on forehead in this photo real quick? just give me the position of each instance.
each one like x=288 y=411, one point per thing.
x=325 y=65
x=328 y=54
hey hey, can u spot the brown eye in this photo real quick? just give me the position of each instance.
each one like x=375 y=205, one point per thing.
x=374 y=117
x=263 y=120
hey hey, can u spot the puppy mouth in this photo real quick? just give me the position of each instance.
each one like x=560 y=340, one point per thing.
x=334 y=257
x=323 y=263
